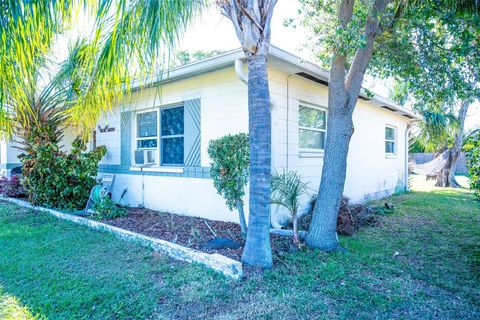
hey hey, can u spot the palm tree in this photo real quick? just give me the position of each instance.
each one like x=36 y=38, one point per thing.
x=128 y=41
x=288 y=187
x=251 y=20
x=399 y=92
x=443 y=131
x=130 y=37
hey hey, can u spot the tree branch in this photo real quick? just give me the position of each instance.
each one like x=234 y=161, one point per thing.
x=362 y=55
x=337 y=70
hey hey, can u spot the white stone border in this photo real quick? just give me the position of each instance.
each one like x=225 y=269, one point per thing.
x=229 y=267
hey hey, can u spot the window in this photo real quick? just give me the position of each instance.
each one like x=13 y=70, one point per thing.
x=390 y=140
x=312 y=128
x=147 y=138
x=159 y=134
x=172 y=136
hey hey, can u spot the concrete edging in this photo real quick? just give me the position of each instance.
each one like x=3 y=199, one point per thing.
x=228 y=267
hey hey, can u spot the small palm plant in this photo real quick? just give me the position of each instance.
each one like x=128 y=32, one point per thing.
x=287 y=188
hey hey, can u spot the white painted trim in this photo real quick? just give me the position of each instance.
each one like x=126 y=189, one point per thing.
x=306 y=153
x=313 y=152
x=157 y=169
x=394 y=154
x=290 y=60
x=228 y=267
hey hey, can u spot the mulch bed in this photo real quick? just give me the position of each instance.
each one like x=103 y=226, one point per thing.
x=189 y=231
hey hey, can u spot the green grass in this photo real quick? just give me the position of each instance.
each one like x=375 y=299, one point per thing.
x=423 y=261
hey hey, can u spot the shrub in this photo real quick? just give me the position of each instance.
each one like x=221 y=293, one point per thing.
x=12 y=187
x=230 y=170
x=58 y=179
x=107 y=209
x=471 y=147
x=287 y=188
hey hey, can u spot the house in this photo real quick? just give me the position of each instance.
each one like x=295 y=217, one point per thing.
x=157 y=138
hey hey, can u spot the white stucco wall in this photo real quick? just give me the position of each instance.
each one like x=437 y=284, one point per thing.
x=370 y=173
x=224 y=110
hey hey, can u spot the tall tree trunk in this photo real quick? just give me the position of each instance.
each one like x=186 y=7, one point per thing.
x=446 y=177
x=257 y=251
x=323 y=228
x=252 y=23
x=343 y=91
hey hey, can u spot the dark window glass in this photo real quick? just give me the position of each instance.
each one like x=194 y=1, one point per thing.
x=389 y=147
x=389 y=133
x=172 y=121
x=172 y=150
x=147 y=143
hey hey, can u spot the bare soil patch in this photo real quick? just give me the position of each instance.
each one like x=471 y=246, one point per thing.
x=189 y=231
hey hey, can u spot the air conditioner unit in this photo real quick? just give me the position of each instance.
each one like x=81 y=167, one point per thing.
x=145 y=157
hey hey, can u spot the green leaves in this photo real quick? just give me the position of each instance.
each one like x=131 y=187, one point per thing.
x=438 y=129
x=58 y=179
x=287 y=188
x=129 y=40
x=229 y=170
x=471 y=147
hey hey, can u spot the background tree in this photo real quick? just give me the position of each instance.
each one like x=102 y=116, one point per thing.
x=398 y=92
x=251 y=20
x=439 y=60
x=348 y=35
x=229 y=170
x=436 y=131
x=472 y=153
x=183 y=57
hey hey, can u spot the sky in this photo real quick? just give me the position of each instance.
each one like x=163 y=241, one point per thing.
x=213 y=31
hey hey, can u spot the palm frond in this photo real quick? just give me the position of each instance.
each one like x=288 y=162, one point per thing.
x=287 y=188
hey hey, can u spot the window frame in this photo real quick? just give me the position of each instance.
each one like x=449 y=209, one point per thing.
x=161 y=138
x=319 y=108
x=159 y=149
x=394 y=140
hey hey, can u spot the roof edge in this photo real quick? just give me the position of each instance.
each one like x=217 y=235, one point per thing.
x=228 y=58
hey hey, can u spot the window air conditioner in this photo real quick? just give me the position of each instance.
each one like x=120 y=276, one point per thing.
x=144 y=157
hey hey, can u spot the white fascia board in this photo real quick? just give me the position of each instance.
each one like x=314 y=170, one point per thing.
x=192 y=69
x=286 y=58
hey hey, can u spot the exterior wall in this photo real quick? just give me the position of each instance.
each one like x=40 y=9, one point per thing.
x=223 y=111
x=370 y=174
x=8 y=157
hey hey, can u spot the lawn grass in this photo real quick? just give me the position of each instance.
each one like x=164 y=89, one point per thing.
x=422 y=261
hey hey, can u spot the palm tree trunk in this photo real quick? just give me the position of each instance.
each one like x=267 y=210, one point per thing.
x=446 y=177
x=296 y=238
x=257 y=251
